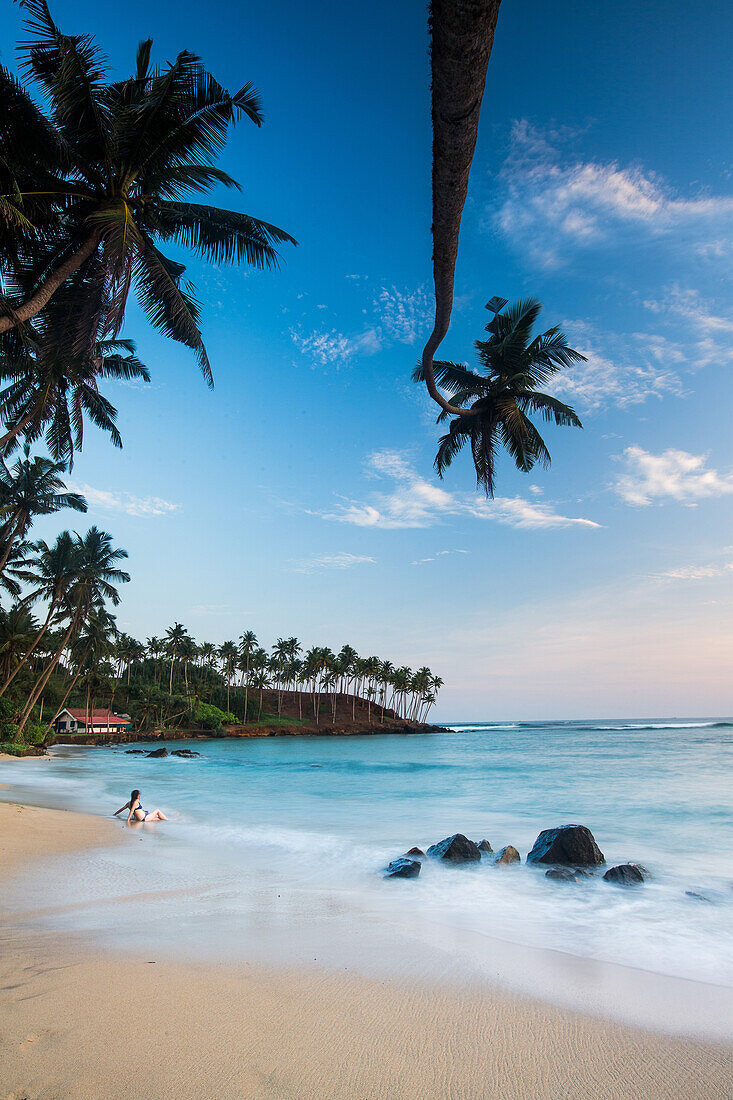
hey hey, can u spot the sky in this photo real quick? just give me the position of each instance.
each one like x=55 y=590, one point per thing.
x=299 y=497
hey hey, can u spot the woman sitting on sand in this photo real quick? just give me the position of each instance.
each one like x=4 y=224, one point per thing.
x=136 y=811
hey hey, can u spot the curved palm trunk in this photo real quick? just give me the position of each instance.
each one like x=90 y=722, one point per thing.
x=29 y=652
x=462 y=34
x=44 y=294
x=32 y=699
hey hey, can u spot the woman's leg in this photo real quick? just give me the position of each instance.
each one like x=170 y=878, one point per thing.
x=157 y=815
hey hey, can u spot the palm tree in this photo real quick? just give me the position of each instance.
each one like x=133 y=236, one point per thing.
x=49 y=572
x=29 y=489
x=174 y=636
x=247 y=646
x=513 y=365
x=89 y=648
x=228 y=657
x=50 y=388
x=17 y=631
x=96 y=573
x=92 y=191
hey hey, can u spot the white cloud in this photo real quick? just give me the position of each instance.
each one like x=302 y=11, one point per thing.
x=108 y=501
x=321 y=562
x=394 y=316
x=673 y=474
x=694 y=572
x=329 y=348
x=618 y=370
x=211 y=609
x=551 y=206
x=415 y=502
x=404 y=315
x=689 y=305
x=438 y=554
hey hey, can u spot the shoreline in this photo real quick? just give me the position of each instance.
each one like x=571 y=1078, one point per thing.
x=209 y=1029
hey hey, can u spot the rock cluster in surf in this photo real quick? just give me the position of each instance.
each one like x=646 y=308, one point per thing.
x=569 y=852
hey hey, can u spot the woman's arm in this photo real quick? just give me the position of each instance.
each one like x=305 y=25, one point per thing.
x=125 y=807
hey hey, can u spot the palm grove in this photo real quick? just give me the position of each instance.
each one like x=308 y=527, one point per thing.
x=98 y=179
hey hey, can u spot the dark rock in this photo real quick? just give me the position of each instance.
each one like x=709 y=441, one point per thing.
x=162 y=751
x=403 y=868
x=506 y=855
x=567 y=846
x=484 y=846
x=184 y=752
x=455 y=849
x=561 y=874
x=695 y=896
x=626 y=874
x=414 y=853
x=136 y=752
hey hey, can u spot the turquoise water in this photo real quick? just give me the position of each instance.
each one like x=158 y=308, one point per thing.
x=274 y=845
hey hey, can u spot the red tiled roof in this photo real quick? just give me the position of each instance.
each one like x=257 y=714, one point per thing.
x=98 y=717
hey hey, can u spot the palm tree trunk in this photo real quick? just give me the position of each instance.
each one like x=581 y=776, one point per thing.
x=462 y=33
x=68 y=693
x=43 y=681
x=28 y=653
x=44 y=294
x=15 y=531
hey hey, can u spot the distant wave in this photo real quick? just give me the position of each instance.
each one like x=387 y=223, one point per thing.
x=484 y=726
x=667 y=726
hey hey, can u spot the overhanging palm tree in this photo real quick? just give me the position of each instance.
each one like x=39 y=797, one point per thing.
x=90 y=193
x=513 y=364
x=51 y=387
x=30 y=488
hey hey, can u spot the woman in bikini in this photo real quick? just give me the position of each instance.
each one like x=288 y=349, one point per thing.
x=136 y=811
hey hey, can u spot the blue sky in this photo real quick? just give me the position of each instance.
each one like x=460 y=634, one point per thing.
x=299 y=497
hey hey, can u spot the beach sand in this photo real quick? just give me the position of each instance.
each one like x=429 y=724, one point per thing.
x=78 y=1023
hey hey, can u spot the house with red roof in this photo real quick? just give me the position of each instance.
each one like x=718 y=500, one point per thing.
x=78 y=720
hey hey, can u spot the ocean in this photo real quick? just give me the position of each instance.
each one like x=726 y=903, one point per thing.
x=275 y=846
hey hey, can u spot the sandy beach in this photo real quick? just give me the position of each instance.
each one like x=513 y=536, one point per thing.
x=76 y=1023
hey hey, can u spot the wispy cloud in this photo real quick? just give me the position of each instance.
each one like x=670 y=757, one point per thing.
x=211 y=609
x=553 y=205
x=413 y=501
x=322 y=562
x=694 y=572
x=107 y=500
x=334 y=348
x=394 y=315
x=620 y=370
x=671 y=475
x=404 y=315
x=438 y=554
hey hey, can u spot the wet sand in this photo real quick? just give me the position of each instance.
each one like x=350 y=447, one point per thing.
x=79 y=1023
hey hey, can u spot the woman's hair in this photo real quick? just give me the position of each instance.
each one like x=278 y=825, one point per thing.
x=133 y=796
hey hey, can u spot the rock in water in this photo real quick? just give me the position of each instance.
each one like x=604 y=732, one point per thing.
x=506 y=855
x=184 y=752
x=415 y=853
x=626 y=874
x=568 y=846
x=403 y=868
x=455 y=849
x=561 y=874
x=163 y=751
x=484 y=846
